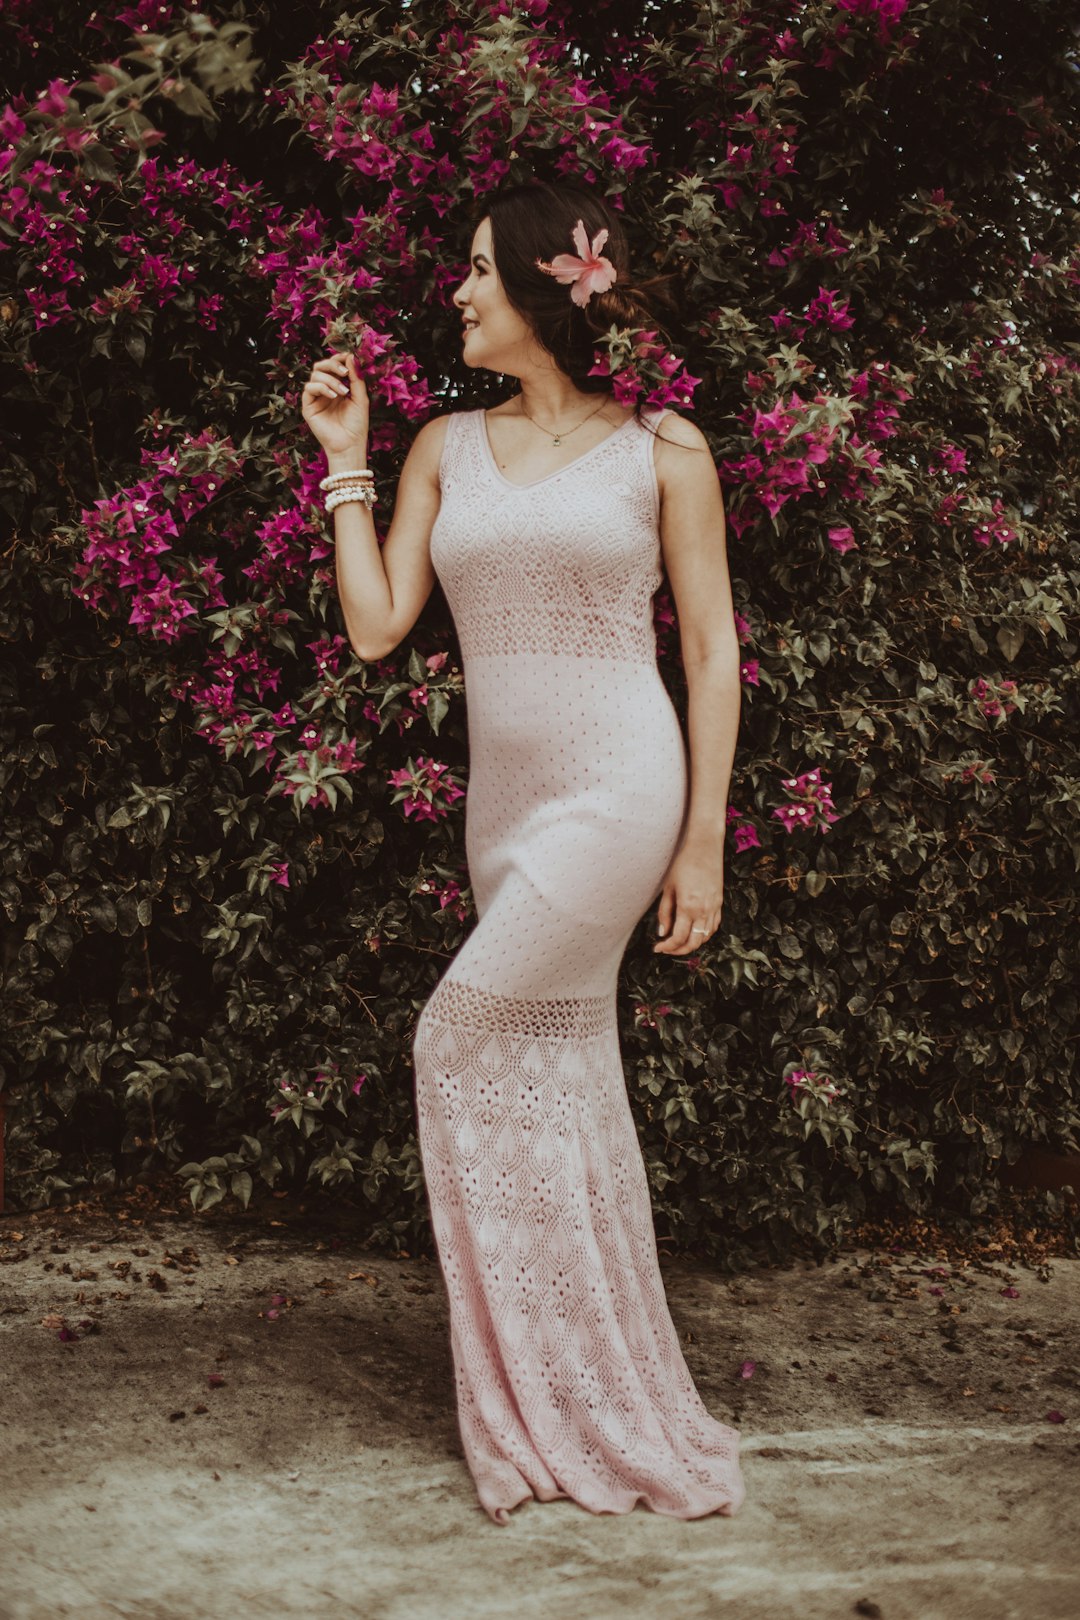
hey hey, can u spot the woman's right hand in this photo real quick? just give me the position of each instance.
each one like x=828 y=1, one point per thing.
x=336 y=406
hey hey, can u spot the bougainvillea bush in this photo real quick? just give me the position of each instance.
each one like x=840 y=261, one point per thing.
x=232 y=852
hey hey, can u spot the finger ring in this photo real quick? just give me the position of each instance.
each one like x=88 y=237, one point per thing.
x=699 y=930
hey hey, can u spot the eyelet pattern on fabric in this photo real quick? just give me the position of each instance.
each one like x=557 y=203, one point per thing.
x=569 y=1373
x=536 y=568
x=472 y=1008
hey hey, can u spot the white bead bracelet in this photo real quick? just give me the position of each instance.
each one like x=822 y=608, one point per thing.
x=355 y=492
x=335 y=478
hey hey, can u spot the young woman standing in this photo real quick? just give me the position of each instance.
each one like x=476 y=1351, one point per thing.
x=549 y=522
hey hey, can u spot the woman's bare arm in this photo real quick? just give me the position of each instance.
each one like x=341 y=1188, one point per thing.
x=693 y=538
x=382 y=589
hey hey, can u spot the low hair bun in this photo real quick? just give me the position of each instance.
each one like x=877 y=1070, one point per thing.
x=622 y=305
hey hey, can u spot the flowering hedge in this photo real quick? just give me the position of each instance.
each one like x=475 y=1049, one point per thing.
x=232 y=853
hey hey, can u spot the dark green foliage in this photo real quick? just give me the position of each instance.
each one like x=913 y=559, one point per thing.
x=167 y=1003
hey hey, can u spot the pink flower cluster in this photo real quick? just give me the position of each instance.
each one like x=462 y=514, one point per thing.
x=800 y=448
x=557 y=99
x=390 y=376
x=948 y=458
x=826 y=309
x=646 y=1013
x=990 y=520
x=807 y=1080
x=54 y=231
x=293 y=1095
x=221 y=715
x=650 y=370
x=994 y=528
x=988 y=695
x=889 y=11
x=1052 y=365
x=449 y=895
x=342 y=756
x=410 y=702
x=978 y=771
x=756 y=153
x=774 y=476
x=813 y=806
x=128 y=531
x=745 y=833
x=812 y=240
x=427 y=788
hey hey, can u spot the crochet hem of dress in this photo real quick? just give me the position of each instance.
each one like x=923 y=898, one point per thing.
x=723 y=1510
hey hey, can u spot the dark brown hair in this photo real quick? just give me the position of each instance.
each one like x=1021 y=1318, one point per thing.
x=535 y=220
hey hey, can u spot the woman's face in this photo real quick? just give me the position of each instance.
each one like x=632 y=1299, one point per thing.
x=500 y=340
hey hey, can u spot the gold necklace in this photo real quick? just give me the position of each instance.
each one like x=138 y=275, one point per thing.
x=559 y=437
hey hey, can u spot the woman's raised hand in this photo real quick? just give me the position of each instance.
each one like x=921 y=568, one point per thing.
x=336 y=406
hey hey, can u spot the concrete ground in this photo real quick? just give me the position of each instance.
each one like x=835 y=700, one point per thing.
x=187 y=1455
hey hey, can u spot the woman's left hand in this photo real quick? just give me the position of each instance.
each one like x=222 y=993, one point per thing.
x=691 y=900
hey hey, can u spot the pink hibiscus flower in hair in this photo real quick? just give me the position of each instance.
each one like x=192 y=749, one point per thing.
x=589 y=273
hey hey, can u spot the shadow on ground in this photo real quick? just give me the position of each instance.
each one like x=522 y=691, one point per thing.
x=174 y=1450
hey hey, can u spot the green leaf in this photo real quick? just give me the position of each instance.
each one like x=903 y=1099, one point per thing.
x=417 y=669
x=820 y=646
x=1010 y=639
x=437 y=705
x=135 y=343
x=241 y=1185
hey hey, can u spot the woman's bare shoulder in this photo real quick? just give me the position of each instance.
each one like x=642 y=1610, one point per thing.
x=432 y=436
x=675 y=435
x=671 y=428
x=427 y=447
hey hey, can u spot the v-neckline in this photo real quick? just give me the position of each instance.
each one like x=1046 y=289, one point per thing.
x=489 y=452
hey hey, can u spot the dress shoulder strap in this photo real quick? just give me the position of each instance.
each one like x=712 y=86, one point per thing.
x=456 y=424
x=651 y=419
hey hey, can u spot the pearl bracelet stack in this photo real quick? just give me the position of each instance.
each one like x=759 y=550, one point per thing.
x=354 y=484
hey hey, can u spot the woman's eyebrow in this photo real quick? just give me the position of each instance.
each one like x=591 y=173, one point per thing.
x=478 y=256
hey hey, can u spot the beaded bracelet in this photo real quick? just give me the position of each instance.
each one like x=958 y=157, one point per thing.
x=351 y=492
x=352 y=483
x=359 y=492
x=335 y=478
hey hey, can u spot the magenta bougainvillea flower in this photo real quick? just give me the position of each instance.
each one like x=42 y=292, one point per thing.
x=811 y=1082
x=425 y=788
x=743 y=831
x=995 y=527
x=810 y=803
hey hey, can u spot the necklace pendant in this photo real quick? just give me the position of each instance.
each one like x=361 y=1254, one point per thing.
x=557 y=441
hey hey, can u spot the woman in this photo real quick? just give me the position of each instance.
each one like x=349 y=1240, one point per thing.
x=547 y=520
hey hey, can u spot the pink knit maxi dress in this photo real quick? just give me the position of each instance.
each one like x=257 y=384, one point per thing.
x=570 y=1378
